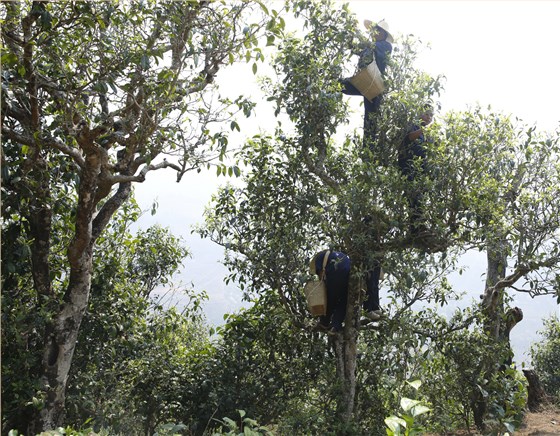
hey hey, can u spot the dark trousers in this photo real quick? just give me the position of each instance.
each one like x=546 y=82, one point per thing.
x=370 y=108
x=415 y=202
x=372 y=288
x=337 y=277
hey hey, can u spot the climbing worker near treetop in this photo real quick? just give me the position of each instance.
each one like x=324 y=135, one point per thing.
x=375 y=47
x=412 y=161
x=337 y=276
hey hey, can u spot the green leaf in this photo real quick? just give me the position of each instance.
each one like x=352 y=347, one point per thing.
x=231 y=423
x=407 y=404
x=255 y=68
x=9 y=59
x=419 y=410
x=415 y=384
x=395 y=423
x=145 y=62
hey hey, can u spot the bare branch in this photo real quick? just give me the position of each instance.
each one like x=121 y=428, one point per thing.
x=121 y=178
x=74 y=153
x=108 y=209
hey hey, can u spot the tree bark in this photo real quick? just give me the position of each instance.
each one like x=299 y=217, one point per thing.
x=498 y=323
x=346 y=346
x=492 y=306
x=536 y=395
x=62 y=333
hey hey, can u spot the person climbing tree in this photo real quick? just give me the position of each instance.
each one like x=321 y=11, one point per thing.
x=377 y=46
x=337 y=275
x=412 y=161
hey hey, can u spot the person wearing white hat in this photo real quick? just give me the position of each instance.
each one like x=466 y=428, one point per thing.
x=376 y=46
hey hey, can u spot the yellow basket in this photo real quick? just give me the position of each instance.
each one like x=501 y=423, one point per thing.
x=316 y=295
x=368 y=81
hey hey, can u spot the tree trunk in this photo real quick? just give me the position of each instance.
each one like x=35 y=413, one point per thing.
x=493 y=308
x=345 y=347
x=59 y=349
x=536 y=395
x=62 y=332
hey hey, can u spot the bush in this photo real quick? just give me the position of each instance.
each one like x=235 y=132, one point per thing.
x=545 y=355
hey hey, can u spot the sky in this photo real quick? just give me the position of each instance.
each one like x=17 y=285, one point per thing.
x=498 y=53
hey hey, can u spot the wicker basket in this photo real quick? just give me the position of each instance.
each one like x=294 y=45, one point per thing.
x=368 y=81
x=316 y=295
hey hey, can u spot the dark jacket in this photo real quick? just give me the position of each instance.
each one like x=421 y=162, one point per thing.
x=411 y=149
x=381 y=50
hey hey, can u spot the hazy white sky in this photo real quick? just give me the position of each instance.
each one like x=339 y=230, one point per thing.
x=502 y=53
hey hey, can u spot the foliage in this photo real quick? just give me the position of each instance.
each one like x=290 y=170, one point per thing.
x=545 y=356
x=306 y=189
x=405 y=423
x=269 y=368
x=134 y=353
x=450 y=368
x=98 y=95
x=247 y=426
x=95 y=95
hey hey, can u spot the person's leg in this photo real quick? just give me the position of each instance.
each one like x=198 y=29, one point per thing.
x=337 y=280
x=339 y=312
x=370 y=123
x=372 y=288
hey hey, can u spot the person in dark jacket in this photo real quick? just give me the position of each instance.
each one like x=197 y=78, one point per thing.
x=379 y=50
x=411 y=161
x=337 y=276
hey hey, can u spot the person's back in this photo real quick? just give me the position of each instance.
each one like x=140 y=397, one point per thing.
x=337 y=276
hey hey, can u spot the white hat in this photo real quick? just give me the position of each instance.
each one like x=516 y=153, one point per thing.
x=382 y=25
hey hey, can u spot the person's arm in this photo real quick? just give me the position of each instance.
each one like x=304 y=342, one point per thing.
x=415 y=134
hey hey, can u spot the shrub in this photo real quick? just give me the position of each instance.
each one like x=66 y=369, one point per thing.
x=545 y=355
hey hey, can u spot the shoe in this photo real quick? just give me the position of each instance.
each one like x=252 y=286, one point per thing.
x=374 y=315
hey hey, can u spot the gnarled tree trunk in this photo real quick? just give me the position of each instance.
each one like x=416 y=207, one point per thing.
x=62 y=332
x=346 y=346
x=498 y=323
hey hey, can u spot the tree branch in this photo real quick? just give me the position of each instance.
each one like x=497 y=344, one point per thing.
x=108 y=209
x=521 y=271
x=122 y=178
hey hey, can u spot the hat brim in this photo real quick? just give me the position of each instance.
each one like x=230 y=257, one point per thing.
x=368 y=24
